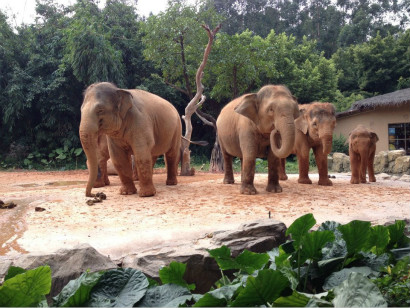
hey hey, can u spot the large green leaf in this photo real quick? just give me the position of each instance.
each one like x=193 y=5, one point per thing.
x=77 y=292
x=174 y=273
x=356 y=235
x=219 y=297
x=397 y=237
x=246 y=261
x=262 y=290
x=313 y=243
x=168 y=295
x=336 y=278
x=294 y=300
x=26 y=289
x=119 y=287
x=13 y=271
x=300 y=227
x=358 y=291
x=378 y=239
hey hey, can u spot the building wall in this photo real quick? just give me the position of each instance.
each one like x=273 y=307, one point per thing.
x=376 y=120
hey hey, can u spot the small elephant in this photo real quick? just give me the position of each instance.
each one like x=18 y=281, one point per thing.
x=254 y=126
x=314 y=130
x=136 y=123
x=362 y=148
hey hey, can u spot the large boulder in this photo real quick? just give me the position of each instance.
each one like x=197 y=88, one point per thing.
x=65 y=264
x=341 y=162
x=258 y=236
x=402 y=165
x=381 y=162
x=393 y=155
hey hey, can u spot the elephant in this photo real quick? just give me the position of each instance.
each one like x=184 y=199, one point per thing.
x=362 y=148
x=257 y=125
x=136 y=123
x=314 y=130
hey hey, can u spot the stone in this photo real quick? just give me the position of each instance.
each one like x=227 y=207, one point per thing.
x=393 y=155
x=384 y=176
x=402 y=165
x=329 y=162
x=381 y=162
x=257 y=236
x=341 y=162
x=65 y=264
x=405 y=178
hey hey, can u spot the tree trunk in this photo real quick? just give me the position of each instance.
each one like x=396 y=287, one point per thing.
x=194 y=104
x=217 y=161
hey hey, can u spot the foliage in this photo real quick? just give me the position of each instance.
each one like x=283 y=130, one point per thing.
x=340 y=144
x=350 y=276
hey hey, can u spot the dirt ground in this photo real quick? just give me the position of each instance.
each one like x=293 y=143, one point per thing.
x=197 y=205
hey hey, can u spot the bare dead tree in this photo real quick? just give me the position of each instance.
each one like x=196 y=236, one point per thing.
x=194 y=104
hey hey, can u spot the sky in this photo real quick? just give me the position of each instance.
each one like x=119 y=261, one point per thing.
x=25 y=9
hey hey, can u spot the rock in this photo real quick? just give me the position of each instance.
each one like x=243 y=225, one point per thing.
x=383 y=176
x=341 y=162
x=65 y=264
x=329 y=162
x=393 y=155
x=258 y=236
x=402 y=165
x=405 y=178
x=381 y=162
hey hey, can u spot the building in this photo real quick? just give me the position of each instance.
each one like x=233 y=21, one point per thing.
x=387 y=115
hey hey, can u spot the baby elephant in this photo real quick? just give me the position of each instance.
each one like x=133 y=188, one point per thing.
x=362 y=148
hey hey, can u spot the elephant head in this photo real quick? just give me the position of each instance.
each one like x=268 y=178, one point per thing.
x=318 y=121
x=273 y=110
x=103 y=111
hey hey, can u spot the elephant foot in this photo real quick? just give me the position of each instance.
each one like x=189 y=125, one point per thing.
x=373 y=179
x=172 y=181
x=147 y=191
x=248 y=189
x=354 y=181
x=325 y=182
x=107 y=181
x=229 y=181
x=283 y=177
x=99 y=183
x=128 y=189
x=304 y=181
x=276 y=188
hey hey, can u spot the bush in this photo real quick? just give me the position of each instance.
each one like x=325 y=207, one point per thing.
x=340 y=144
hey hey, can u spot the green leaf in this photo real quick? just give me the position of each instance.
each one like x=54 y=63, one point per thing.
x=61 y=156
x=336 y=278
x=378 y=239
x=262 y=290
x=59 y=151
x=356 y=235
x=358 y=291
x=174 y=273
x=77 y=292
x=223 y=257
x=26 y=289
x=300 y=227
x=168 y=295
x=119 y=287
x=295 y=300
x=313 y=243
x=219 y=297
x=78 y=151
x=26 y=161
x=397 y=237
x=44 y=161
x=13 y=271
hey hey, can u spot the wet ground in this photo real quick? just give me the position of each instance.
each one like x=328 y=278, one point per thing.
x=198 y=204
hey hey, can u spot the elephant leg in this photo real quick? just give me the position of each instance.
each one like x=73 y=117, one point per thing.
x=134 y=168
x=282 y=170
x=355 y=167
x=228 y=174
x=273 y=175
x=321 y=162
x=370 y=167
x=248 y=175
x=122 y=164
x=362 y=172
x=303 y=162
x=143 y=162
x=171 y=161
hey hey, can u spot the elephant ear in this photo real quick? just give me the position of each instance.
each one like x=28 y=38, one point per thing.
x=124 y=102
x=248 y=107
x=301 y=123
x=374 y=137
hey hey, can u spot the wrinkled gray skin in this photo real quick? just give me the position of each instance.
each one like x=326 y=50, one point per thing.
x=135 y=122
x=257 y=125
x=362 y=149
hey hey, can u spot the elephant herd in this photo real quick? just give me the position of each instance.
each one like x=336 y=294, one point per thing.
x=134 y=127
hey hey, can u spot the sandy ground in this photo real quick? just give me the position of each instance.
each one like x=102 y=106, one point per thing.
x=197 y=205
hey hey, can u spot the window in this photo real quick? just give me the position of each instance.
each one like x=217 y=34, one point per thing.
x=399 y=137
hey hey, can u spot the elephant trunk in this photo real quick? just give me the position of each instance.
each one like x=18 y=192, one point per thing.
x=282 y=139
x=327 y=144
x=89 y=137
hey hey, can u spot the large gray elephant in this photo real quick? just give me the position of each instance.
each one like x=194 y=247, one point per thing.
x=314 y=130
x=254 y=126
x=135 y=122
